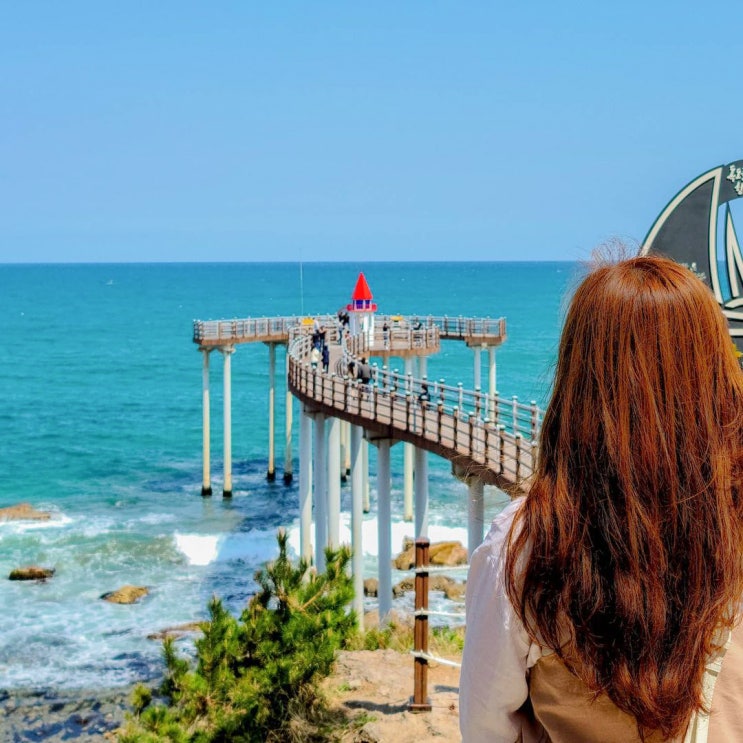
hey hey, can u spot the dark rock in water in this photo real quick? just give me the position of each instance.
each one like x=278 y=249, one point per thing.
x=31 y=572
x=450 y=587
x=371 y=587
x=455 y=591
x=23 y=512
x=447 y=554
x=126 y=595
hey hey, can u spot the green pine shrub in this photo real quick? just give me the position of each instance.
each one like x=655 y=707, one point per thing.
x=256 y=678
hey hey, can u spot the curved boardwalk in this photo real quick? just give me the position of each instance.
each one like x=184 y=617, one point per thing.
x=483 y=436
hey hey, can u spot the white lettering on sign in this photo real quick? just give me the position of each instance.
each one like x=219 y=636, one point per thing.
x=693 y=268
x=735 y=176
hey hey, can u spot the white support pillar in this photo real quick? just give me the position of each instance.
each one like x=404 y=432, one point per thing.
x=365 y=470
x=334 y=481
x=206 y=477
x=346 y=461
x=422 y=366
x=227 y=352
x=478 y=368
x=421 y=493
x=343 y=451
x=357 y=516
x=321 y=493
x=475 y=514
x=384 y=530
x=289 y=415
x=407 y=452
x=491 y=382
x=271 y=474
x=305 y=485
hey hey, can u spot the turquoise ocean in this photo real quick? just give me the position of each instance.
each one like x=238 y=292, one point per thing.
x=100 y=423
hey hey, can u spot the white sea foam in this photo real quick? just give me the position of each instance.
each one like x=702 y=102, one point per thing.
x=57 y=521
x=200 y=549
x=154 y=519
x=253 y=546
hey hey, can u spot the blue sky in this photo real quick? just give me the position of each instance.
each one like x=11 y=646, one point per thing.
x=244 y=131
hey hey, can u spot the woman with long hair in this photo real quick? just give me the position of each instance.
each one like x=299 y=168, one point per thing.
x=604 y=604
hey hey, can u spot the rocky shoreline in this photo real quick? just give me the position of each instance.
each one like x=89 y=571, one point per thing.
x=94 y=714
x=370 y=688
x=57 y=716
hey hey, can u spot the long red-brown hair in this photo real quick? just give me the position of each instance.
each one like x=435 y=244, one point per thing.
x=627 y=557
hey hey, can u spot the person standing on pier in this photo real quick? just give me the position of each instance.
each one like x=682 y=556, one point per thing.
x=363 y=371
x=315 y=357
x=604 y=604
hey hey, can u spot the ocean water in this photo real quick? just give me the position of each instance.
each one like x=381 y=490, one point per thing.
x=100 y=423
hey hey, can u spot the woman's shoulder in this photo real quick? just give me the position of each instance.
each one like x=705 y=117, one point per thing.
x=501 y=524
x=492 y=546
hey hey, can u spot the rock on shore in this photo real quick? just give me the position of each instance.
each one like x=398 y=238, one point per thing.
x=446 y=554
x=23 y=512
x=126 y=594
x=31 y=572
x=370 y=688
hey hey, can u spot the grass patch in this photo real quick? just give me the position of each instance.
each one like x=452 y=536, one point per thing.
x=443 y=641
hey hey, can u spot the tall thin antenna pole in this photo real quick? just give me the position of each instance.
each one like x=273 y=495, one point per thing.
x=301 y=282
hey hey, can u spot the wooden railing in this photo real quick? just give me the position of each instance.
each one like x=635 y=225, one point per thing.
x=403 y=332
x=482 y=435
x=249 y=330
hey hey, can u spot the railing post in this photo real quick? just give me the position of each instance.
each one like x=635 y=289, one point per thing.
x=495 y=408
x=518 y=456
x=502 y=448
x=534 y=417
x=515 y=414
x=421 y=702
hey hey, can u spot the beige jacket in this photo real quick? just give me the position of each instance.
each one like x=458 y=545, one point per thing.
x=510 y=691
x=562 y=705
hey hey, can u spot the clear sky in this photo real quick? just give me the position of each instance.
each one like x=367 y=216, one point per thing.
x=241 y=131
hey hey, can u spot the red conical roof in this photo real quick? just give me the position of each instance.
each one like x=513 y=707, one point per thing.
x=362 y=290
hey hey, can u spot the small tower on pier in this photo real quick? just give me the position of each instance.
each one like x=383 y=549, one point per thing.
x=361 y=310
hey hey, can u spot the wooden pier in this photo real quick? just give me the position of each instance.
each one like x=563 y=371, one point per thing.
x=488 y=439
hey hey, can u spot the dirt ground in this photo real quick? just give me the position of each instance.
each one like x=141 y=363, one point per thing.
x=374 y=689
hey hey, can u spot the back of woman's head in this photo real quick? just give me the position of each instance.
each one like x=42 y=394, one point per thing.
x=629 y=544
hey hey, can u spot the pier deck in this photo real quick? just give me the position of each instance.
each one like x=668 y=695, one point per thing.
x=482 y=435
